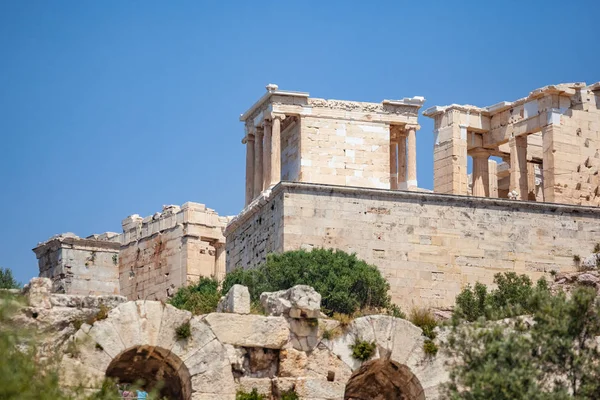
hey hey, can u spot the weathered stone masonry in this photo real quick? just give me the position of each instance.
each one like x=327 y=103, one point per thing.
x=427 y=245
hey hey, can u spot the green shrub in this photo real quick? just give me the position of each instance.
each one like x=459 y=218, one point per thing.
x=362 y=350
x=253 y=395
x=289 y=395
x=345 y=283
x=430 y=348
x=183 y=331
x=424 y=319
x=7 y=281
x=576 y=258
x=596 y=248
x=514 y=295
x=200 y=298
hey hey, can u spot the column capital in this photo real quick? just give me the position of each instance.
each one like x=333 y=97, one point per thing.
x=408 y=127
x=272 y=116
x=480 y=152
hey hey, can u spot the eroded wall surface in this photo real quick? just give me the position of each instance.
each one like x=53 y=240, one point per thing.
x=167 y=250
x=428 y=246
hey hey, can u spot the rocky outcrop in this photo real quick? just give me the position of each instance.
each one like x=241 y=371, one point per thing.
x=300 y=301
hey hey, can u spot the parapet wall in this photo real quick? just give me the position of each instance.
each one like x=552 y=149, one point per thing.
x=163 y=252
x=428 y=246
x=81 y=266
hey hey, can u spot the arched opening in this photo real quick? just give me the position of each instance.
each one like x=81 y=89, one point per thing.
x=383 y=379
x=154 y=368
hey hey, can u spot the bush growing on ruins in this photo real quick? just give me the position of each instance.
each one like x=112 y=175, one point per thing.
x=345 y=283
x=200 y=298
x=253 y=395
x=7 y=281
x=430 y=348
x=555 y=357
x=513 y=296
x=424 y=319
x=183 y=331
x=289 y=395
x=362 y=350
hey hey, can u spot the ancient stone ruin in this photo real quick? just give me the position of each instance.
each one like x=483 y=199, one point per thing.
x=333 y=174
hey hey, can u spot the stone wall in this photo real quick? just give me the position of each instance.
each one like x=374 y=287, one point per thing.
x=290 y=152
x=258 y=233
x=80 y=266
x=167 y=250
x=345 y=152
x=428 y=246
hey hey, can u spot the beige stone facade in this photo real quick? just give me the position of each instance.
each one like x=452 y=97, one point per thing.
x=291 y=136
x=165 y=251
x=428 y=246
x=549 y=140
x=81 y=266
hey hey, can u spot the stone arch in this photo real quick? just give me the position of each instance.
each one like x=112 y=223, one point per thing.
x=146 y=330
x=383 y=379
x=152 y=366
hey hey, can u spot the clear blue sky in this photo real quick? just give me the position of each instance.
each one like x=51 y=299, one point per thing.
x=111 y=108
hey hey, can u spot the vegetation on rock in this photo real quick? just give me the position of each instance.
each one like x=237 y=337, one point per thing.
x=513 y=296
x=424 y=319
x=200 y=298
x=253 y=395
x=363 y=350
x=551 y=354
x=346 y=284
x=183 y=331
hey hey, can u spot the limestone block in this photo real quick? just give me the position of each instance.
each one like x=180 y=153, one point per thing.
x=237 y=300
x=201 y=335
x=322 y=363
x=300 y=301
x=262 y=385
x=38 y=292
x=105 y=334
x=249 y=330
x=89 y=353
x=591 y=261
x=292 y=363
x=149 y=317
x=126 y=322
x=360 y=329
x=172 y=318
x=77 y=374
x=211 y=371
x=321 y=389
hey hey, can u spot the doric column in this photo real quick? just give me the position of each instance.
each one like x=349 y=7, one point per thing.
x=402 y=162
x=493 y=169
x=481 y=174
x=267 y=153
x=518 y=166
x=258 y=162
x=276 y=148
x=411 y=144
x=249 y=142
x=393 y=164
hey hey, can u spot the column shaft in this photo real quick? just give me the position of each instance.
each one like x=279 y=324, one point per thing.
x=393 y=165
x=493 y=169
x=258 y=162
x=267 y=154
x=411 y=143
x=481 y=174
x=249 y=168
x=518 y=166
x=402 y=162
x=276 y=149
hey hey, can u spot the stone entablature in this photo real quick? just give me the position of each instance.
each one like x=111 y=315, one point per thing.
x=81 y=266
x=167 y=250
x=427 y=245
x=290 y=136
x=555 y=130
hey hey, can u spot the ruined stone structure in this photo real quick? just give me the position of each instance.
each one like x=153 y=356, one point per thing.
x=83 y=266
x=227 y=352
x=165 y=251
x=550 y=141
x=292 y=137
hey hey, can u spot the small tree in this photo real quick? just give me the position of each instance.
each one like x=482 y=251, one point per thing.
x=200 y=298
x=556 y=357
x=7 y=281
